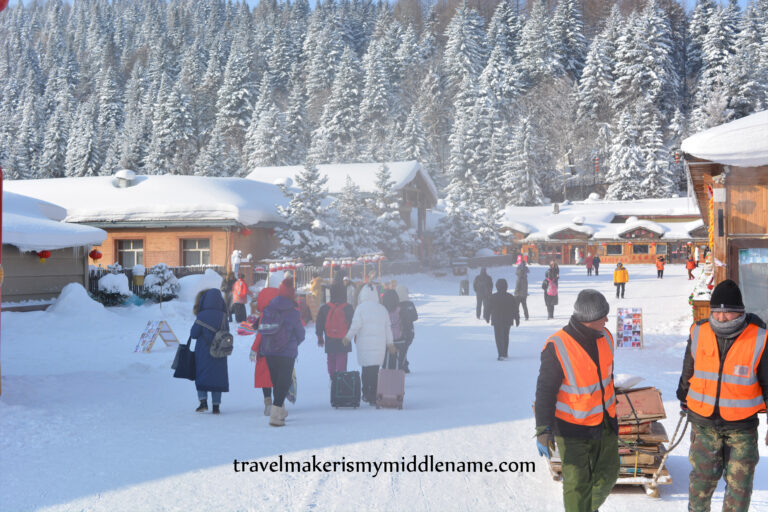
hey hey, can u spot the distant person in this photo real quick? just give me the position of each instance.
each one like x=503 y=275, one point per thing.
x=351 y=290
x=398 y=317
x=372 y=333
x=333 y=321
x=226 y=288
x=723 y=385
x=483 y=286
x=235 y=259
x=588 y=263
x=579 y=357
x=409 y=316
x=596 y=263
x=689 y=266
x=240 y=294
x=660 y=267
x=502 y=312
x=620 y=278
x=555 y=268
x=550 y=287
x=261 y=378
x=211 y=374
x=521 y=286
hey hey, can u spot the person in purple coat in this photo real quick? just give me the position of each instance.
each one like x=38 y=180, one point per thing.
x=282 y=347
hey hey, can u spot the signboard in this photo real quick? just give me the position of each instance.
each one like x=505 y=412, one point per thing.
x=629 y=328
x=152 y=331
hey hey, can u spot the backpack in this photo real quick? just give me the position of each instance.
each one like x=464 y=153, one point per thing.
x=273 y=330
x=336 y=321
x=223 y=342
x=397 y=326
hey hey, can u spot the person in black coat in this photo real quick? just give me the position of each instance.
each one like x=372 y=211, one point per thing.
x=502 y=312
x=408 y=315
x=550 y=286
x=596 y=264
x=210 y=372
x=483 y=286
x=336 y=351
x=521 y=286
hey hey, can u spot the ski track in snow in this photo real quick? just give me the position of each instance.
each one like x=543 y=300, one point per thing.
x=88 y=425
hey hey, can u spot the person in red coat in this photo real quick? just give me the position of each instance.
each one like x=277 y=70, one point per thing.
x=261 y=377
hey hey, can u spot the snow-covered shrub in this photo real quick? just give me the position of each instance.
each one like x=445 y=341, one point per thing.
x=161 y=285
x=139 y=270
x=113 y=289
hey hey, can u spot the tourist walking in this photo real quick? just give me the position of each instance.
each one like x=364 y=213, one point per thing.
x=620 y=278
x=521 y=286
x=596 y=264
x=550 y=286
x=483 y=286
x=211 y=374
x=331 y=326
x=502 y=312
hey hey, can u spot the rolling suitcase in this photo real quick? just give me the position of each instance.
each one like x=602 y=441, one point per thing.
x=464 y=287
x=345 y=389
x=390 y=388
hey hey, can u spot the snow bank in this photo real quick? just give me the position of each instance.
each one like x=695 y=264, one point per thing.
x=192 y=285
x=74 y=300
x=484 y=253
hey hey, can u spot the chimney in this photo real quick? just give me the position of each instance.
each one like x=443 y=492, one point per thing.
x=124 y=178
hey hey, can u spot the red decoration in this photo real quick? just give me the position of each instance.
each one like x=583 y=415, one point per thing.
x=245 y=232
x=677 y=157
x=3 y=4
x=597 y=165
x=43 y=255
x=95 y=255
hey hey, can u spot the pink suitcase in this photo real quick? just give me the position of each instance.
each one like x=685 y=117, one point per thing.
x=390 y=389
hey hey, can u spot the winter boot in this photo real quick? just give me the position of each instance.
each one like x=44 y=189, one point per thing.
x=216 y=409
x=203 y=406
x=283 y=412
x=276 y=417
x=267 y=406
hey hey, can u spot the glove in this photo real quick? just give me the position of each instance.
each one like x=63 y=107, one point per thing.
x=345 y=341
x=683 y=407
x=254 y=356
x=545 y=441
x=320 y=341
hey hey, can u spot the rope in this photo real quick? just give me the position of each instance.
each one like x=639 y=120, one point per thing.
x=672 y=446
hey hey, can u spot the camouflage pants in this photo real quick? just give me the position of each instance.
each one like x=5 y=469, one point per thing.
x=716 y=450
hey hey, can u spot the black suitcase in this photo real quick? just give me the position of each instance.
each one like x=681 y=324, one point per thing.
x=345 y=389
x=464 y=287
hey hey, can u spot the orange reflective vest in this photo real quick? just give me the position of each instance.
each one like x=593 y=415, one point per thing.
x=581 y=398
x=734 y=382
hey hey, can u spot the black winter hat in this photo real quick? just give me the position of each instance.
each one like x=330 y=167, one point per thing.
x=726 y=297
x=590 y=305
x=501 y=285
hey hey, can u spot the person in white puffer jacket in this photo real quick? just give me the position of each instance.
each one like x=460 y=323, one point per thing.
x=372 y=333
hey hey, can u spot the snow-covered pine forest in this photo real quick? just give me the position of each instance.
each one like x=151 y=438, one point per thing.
x=496 y=99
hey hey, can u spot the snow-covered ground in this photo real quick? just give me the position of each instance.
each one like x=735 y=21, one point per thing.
x=87 y=424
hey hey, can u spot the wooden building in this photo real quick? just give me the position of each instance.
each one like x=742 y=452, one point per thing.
x=627 y=231
x=176 y=220
x=728 y=166
x=41 y=254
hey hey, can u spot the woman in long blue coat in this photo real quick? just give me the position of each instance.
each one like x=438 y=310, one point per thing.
x=211 y=372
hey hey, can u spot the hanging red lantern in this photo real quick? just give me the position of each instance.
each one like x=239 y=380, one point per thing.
x=245 y=232
x=677 y=157
x=260 y=270
x=629 y=243
x=95 y=255
x=43 y=255
x=653 y=244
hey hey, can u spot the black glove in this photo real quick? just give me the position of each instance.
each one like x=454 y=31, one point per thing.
x=683 y=407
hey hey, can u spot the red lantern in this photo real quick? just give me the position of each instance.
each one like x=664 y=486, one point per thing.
x=653 y=244
x=245 y=232
x=43 y=255
x=95 y=255
x=629 y=243
x=677 y=157
x=259 y=269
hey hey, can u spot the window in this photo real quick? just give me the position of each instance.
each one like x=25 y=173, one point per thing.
x=661 y=248
x=753 y=279
x=614 y=250
x=130 y=252
x=195 y=252
x=640 y=249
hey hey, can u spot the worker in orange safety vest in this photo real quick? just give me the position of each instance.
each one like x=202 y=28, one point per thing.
x=724 y=384
x=576 y=404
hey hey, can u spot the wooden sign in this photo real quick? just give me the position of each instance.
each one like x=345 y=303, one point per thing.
x=152 y=331
x=629 y=328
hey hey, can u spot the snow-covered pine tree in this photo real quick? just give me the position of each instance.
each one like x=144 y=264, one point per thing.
x=265 y=140
x=305 y=234
x=215 y=159
x=353 y=227
x=236 y=94
x=748 y=68
x=535 y=55
x=375 y=104
x=52 y=162
x=697 y=29
x=626 y=166
x=338 y=136
x=522 y=172
x=657 y=180
x=465 y=49
x=173 y=143
x=391 y=233
x=296 y=123
x=83 y=158
x=569 y=45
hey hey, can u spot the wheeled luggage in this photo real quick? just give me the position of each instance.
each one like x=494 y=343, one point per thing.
x=345 y=389
x=464 y=287
x=390 y=388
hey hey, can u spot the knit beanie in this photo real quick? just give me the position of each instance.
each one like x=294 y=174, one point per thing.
x=590 y=306
x=286 y=289
x=726 y=297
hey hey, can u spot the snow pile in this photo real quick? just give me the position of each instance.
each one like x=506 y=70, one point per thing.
x=139 y=270
x=743 y=142
x=190 y=286
x=484 y=253
x=74 y=300
x=114 y=283
x=587 y=230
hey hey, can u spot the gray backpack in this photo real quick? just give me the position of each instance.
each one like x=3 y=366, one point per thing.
x=223 y=342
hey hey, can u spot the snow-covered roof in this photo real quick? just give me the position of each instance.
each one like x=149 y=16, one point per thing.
x=34 y=225
x=166 y=198
x=743 y=142
x=362 y=175
x=595 y=218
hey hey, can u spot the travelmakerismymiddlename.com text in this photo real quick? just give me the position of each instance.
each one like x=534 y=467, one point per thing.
x=414 y=464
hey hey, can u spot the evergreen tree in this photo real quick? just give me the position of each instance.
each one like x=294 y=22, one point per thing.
x=306 y=233
x=625 y=166
x=391 y=234
x=83 y=158
x=569 y=45
x=465 y=48
x=523 y=185
x=353 y=223
x=265 y=140
x=658 y=180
